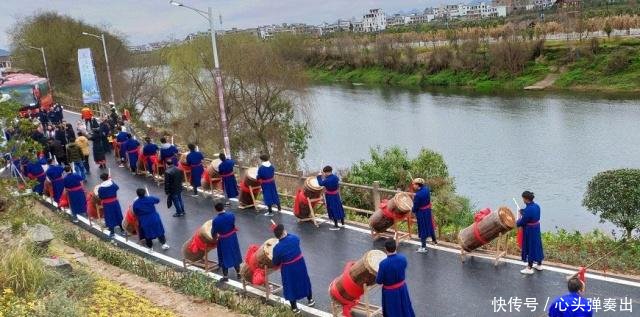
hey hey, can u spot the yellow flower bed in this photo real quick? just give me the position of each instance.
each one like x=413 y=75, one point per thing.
x=14 y=306
x=112 y=300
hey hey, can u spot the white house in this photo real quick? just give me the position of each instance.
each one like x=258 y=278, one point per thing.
x=374 y=21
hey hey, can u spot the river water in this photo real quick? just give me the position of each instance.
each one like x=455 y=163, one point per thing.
x=495 y=146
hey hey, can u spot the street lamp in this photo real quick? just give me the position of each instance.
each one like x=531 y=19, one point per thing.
x=216 y=70
x=106 y=58
x=44 y=59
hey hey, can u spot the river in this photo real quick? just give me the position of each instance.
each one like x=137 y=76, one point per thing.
x=495 y=146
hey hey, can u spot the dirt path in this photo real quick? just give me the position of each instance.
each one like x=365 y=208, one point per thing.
x=159 y=295
x=545 y=83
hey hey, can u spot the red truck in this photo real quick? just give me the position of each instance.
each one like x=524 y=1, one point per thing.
x=31 y=91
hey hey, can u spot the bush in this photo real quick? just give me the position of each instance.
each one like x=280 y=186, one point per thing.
x=510 y=56
x=21 y=271
x=618 y=61
x=439 y=60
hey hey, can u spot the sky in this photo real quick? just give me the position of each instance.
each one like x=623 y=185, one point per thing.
x=144 y=21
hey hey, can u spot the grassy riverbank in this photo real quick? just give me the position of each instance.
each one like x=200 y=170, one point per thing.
x=596 y=65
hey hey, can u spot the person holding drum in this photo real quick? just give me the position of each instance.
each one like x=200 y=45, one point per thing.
x=532 y=239
x=148 y=151
x=107 y=191
x=229 y=184
x=331 y=183
x=144 y=207
x=168 y=151
x=422 y=210
x=194 y=159
x=295 y=278
x=391 y=274
x=224 y=225
x=266 y=177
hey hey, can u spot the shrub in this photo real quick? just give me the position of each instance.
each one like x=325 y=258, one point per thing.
x=618 y=61
x=439 y=60
x=511 y=55
x=21 y=271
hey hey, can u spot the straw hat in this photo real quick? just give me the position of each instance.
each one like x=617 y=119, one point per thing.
x=418 y=181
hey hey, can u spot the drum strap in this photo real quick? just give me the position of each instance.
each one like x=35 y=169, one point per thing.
x=477 y=218
x=393 y=286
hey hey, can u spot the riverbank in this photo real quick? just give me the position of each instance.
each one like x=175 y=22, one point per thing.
x=611 y=65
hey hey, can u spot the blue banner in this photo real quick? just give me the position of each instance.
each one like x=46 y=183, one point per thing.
x=88 y=79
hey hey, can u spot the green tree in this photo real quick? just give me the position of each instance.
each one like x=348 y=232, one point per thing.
x=61 y=37
x=614 y=195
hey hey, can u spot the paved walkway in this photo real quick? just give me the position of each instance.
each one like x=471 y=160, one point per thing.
x=439 y=284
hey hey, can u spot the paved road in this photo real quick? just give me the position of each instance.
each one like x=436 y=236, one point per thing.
x=440 y=285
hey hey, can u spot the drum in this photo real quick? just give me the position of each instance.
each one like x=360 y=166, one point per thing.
x=205 y=232
x=312 y=189
x=397 y=207
x=48 y=188
x=264 y=255
x=489 y=228
x=379 y=222
x=190 y=255
x=249 y=179
x=212 y=169
x=401 y=203
x=363 y=272
x=183 y=158
x=245 y=272
x=130 y=222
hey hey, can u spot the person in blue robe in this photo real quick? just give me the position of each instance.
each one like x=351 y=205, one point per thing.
x=194 y=160
x=75 y=191
x=54 y=174
x=572 y=304
x=225 y=169
x=295 y=278
x=35 y=172
x=133 y=150
x=391 y=274
x=107 y=191
x=150 y=224
x=168 y=151
x=422 y=210
x=229 y=256
x=121 y=138
x=148 y=150
x=532 y=237
x=331 y=184
x=266 y=177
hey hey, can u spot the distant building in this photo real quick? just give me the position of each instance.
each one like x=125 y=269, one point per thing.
x=5 y=59
x=374 y=21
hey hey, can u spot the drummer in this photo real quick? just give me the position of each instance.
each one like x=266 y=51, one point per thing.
x=107 y=191
x=391 y=274
x=224 y=225
x=194 y=160
x=54 y=174
x=121 y=138
x=132 y=146
x=331 y=183
x=266 y=177
x=295 y=279
x=144 y=207
x=148 y=151
x=168 y=151
x=532 y=240
x=229 y=184
x=422 y=210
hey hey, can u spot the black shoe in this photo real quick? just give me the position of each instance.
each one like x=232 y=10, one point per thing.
x=296 y=311
x=177 y=215
x=311 y=303
x=224 y=279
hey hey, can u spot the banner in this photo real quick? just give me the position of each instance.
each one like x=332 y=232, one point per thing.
x=88 y=79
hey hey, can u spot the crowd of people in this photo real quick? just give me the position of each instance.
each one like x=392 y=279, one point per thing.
x=64 y=163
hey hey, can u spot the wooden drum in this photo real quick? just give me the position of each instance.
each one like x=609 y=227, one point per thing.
x=249 y=179
x=212 y=169
x=264 y=255
x=205 y=232
x=489 y=228
x=195 y=248
x=363 y=272
x=397 y=207
x=312 y=189
x=130 y=222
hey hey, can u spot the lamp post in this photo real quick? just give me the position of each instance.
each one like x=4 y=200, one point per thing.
x=106 y=58
x=44 y=59
x=216 y=70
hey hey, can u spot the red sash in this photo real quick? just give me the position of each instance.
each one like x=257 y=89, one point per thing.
x=109 y=200
x=196 y=165
x=425 y=207
x=296 y=259
x=228 y=234
x=36 y=176
x=533 y=224
x=226 y=175
x=57 y=179
x=332 y=192
x=75 y=189
x=270 y=180
x=133 y=151
x=394 y=286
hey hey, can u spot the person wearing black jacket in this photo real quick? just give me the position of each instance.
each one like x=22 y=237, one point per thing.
x=61 y=135
x=173 y=179
x=58 y=150
x=69 y=133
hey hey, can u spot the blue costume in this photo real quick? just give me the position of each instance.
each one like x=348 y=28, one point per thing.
x=77 y=198
x=54 y=173
x=228 y=248
x=148 y=150
x=168 y=150
x=334 y=204
x=295 y=279
x=422 y=210
x=571 y=305
x=133 y=146
x=395 y=294
x=194 y=159
x=121 y=138
x=150 y=224
x=108 y=194
x=35 y=171
x=266 y=174
x=532 y=240
x=229 y=183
